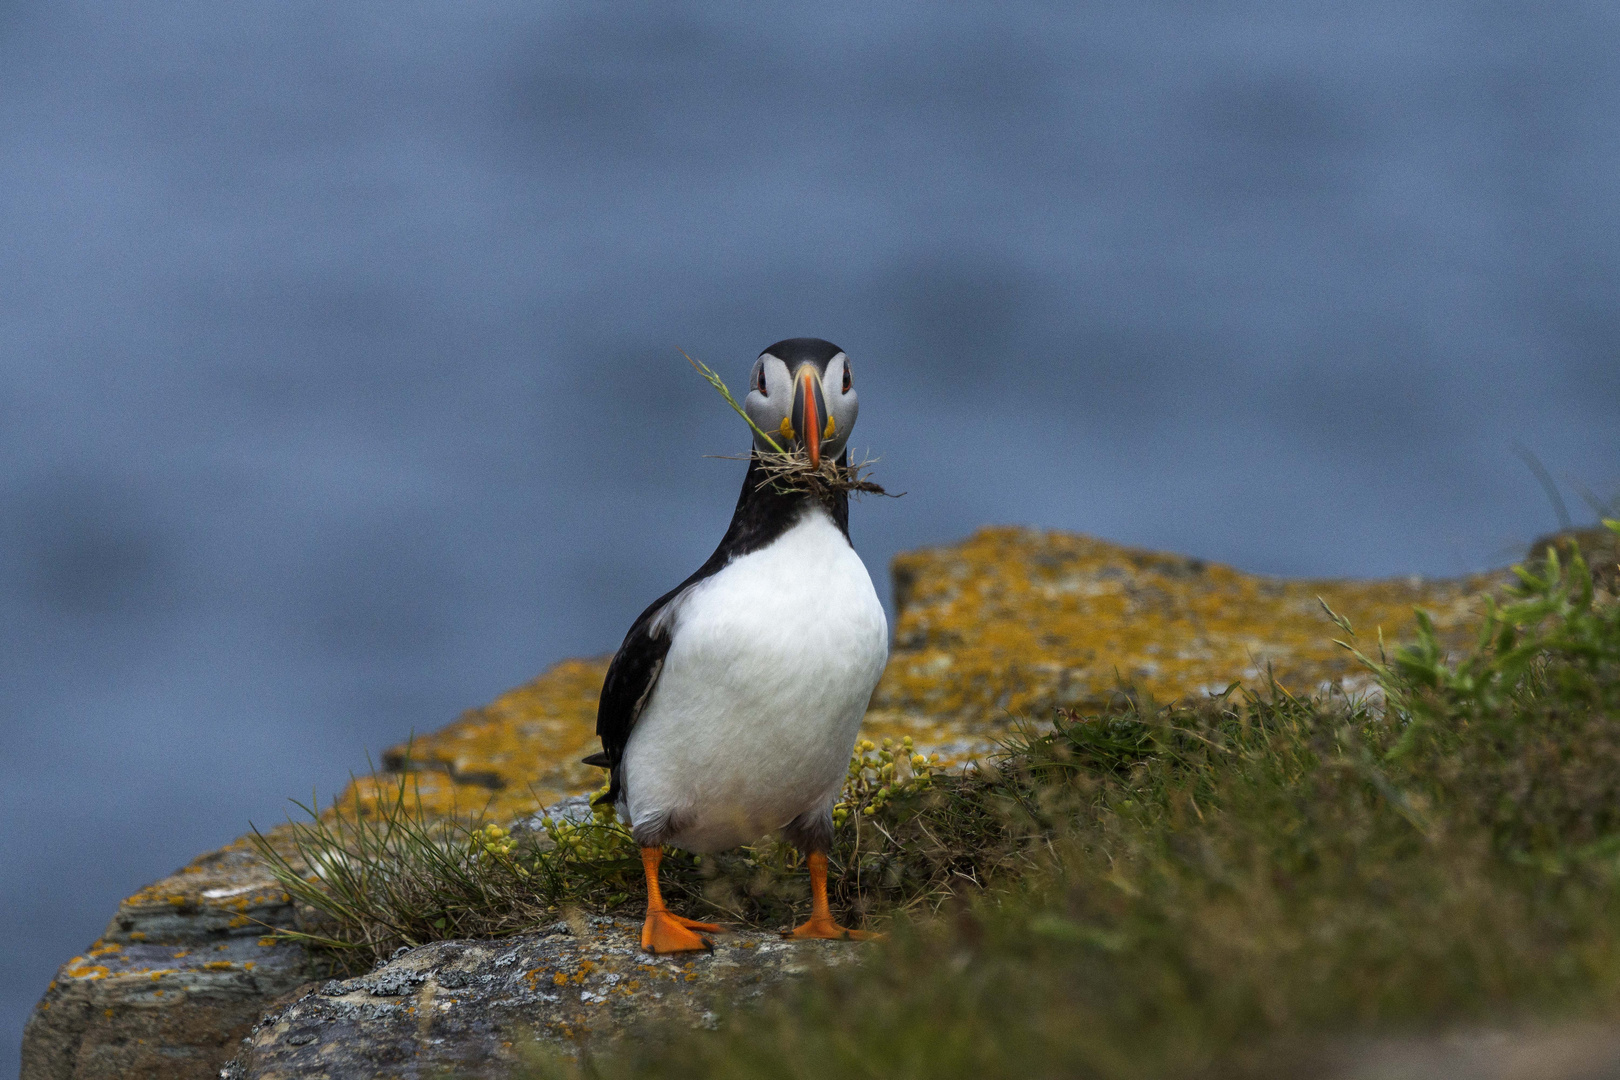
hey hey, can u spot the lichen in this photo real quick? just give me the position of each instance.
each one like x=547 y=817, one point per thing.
x=512 y=756
x=1013 y=622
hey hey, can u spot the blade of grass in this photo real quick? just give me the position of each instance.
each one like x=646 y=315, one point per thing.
x=719 y=384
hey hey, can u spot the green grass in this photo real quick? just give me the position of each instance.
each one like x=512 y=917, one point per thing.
x=1219 y=888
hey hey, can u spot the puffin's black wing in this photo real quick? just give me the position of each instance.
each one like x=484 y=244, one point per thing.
x=629 y=683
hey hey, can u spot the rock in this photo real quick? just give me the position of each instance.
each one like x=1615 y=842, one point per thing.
x=181 y=974
x=224 y=894
x=460 y=1007
x=575 y=809
x=1012 y=622
x=999 y=627
x=515 y=755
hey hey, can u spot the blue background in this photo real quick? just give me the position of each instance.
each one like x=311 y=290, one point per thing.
x=339 y=383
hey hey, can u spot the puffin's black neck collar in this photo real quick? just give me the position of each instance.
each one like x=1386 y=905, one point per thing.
x=765 y=511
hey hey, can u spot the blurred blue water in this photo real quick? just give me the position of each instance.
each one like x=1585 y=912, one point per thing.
x=338 y=376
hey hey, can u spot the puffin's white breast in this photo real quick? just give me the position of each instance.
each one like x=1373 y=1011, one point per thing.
x=771 y=664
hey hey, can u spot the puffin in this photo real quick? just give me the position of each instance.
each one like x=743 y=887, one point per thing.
x=732 y=707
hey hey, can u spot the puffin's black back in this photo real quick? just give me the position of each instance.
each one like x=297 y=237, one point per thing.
x=763 y=514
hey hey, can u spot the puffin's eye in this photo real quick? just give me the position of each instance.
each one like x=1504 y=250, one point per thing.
x=846 y=377
x=761 y=382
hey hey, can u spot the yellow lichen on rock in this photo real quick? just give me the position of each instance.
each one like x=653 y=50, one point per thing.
x=507 y=759
x=998 y=628
x=1012 y=622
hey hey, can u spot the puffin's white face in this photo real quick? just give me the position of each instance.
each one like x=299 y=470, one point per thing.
x=802 y=393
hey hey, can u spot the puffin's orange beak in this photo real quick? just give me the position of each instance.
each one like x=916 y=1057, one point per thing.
x=809 y=411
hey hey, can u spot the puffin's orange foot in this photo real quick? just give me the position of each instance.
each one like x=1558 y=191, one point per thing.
x=664 y=932
x=693 y=924
x=825 y=929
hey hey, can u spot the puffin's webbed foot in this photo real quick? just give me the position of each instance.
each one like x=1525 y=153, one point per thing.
x=825 y=929
x=820 y=925
x=666 y=932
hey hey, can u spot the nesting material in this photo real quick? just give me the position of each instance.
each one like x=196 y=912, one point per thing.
x=792 y=471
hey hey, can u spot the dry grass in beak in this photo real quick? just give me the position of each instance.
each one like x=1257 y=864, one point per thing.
x=791 y=471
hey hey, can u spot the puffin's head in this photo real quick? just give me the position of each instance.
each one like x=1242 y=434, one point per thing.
x=801 y=394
